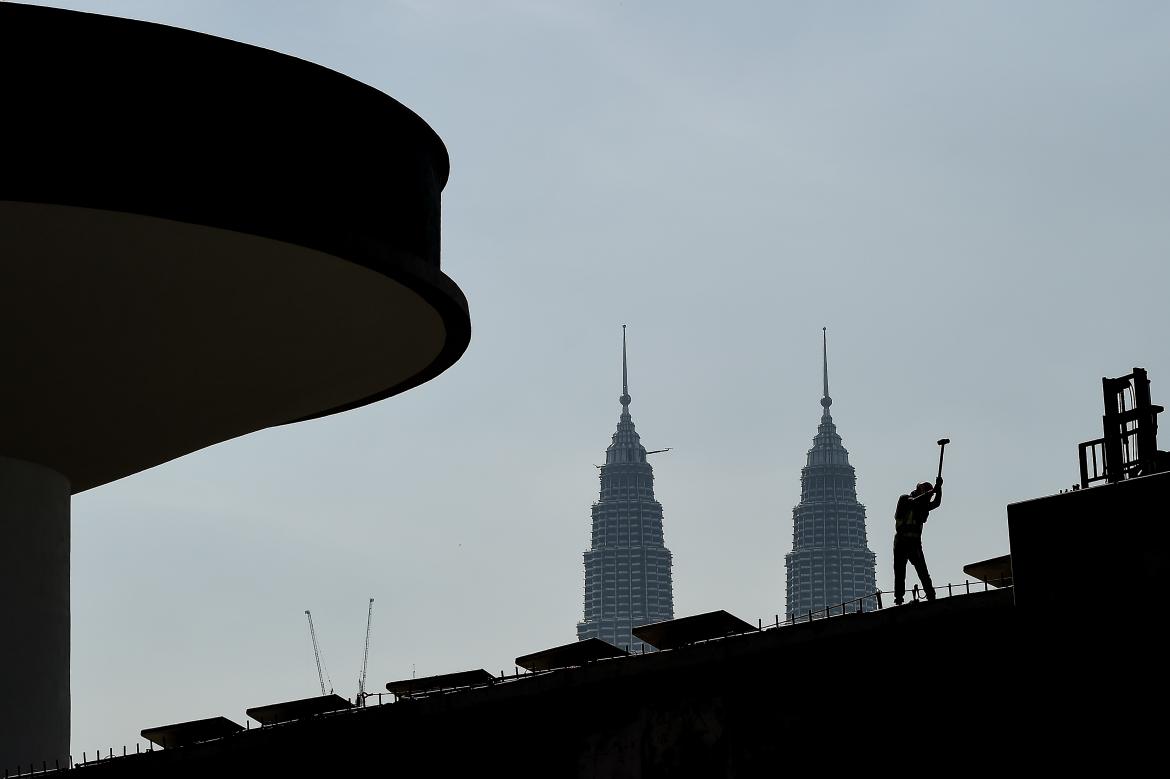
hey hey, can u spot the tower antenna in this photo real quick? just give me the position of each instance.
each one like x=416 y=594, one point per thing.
x=625 y=398
x=625 y=380
x=826 y=401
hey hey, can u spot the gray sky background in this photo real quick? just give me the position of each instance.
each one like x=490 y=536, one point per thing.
x=972 y=197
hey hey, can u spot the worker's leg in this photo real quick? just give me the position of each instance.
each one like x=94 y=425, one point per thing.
x=899 y=571
x=919 y=560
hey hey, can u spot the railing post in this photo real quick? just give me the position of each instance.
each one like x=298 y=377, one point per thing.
x=878 y=594
x=949 y=592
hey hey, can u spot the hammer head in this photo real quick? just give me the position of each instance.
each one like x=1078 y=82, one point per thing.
x=943 y=441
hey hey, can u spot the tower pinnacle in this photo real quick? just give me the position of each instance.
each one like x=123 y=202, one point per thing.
x=625 y=398
x=826 y=401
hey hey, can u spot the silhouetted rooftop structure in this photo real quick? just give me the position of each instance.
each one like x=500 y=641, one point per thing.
x=587 y=650
x=996 y=571
x=689 y=630
x=298 y=709
x=1039 y=666
x=184 y=733
x=407 y=688
x=1129 y=446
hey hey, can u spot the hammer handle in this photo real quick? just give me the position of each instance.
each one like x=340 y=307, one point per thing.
x=941 y=448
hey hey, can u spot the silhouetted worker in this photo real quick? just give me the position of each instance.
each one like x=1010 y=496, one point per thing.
x=909 y=518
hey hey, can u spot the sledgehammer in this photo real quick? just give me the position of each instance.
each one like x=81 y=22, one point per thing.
x=942 y=447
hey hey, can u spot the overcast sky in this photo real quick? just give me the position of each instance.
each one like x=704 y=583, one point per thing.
x=972 y=197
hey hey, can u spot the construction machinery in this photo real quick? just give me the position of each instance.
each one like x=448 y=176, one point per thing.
x=361 y=694
x=1129 y=446
x=322 y=671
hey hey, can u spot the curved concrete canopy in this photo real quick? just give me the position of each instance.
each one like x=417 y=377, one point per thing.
x=200 y=239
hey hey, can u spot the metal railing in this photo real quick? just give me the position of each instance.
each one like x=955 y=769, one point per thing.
x=858 y=605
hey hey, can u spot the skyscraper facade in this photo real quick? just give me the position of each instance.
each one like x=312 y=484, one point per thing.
x=627 y=567
x=830 y=562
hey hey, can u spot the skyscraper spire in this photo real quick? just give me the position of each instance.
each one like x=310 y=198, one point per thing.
x=627 y=567
x=830 y=562
x=625 y=398
x=626 y=446
x=826 y=401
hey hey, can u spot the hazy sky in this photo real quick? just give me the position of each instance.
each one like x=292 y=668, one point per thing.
x=972 y=197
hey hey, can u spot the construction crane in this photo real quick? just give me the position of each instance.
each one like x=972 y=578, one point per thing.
x=361 y=696
x=321 y=674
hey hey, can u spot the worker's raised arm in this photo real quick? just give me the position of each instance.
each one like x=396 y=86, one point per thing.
x=922 y=499
x=936 y=499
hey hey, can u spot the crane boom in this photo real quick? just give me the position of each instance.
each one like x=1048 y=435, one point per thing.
x=366 y=657
x=316 y=652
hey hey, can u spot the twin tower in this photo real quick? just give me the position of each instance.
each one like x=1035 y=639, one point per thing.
x=627 y=567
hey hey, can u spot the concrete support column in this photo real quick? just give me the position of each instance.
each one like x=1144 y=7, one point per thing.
x=34 y=614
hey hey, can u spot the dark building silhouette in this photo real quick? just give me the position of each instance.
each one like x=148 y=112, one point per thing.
x=199 y=239
x=1050 y=665
x=627 y=567
x=830 y=562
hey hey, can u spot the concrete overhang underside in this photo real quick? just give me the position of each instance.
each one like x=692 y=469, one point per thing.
x=405 y=688
x=301 y=708
x=675 y=633
x=184 y=733
x=201 y=239
x=996 y=571
x=589 y=650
